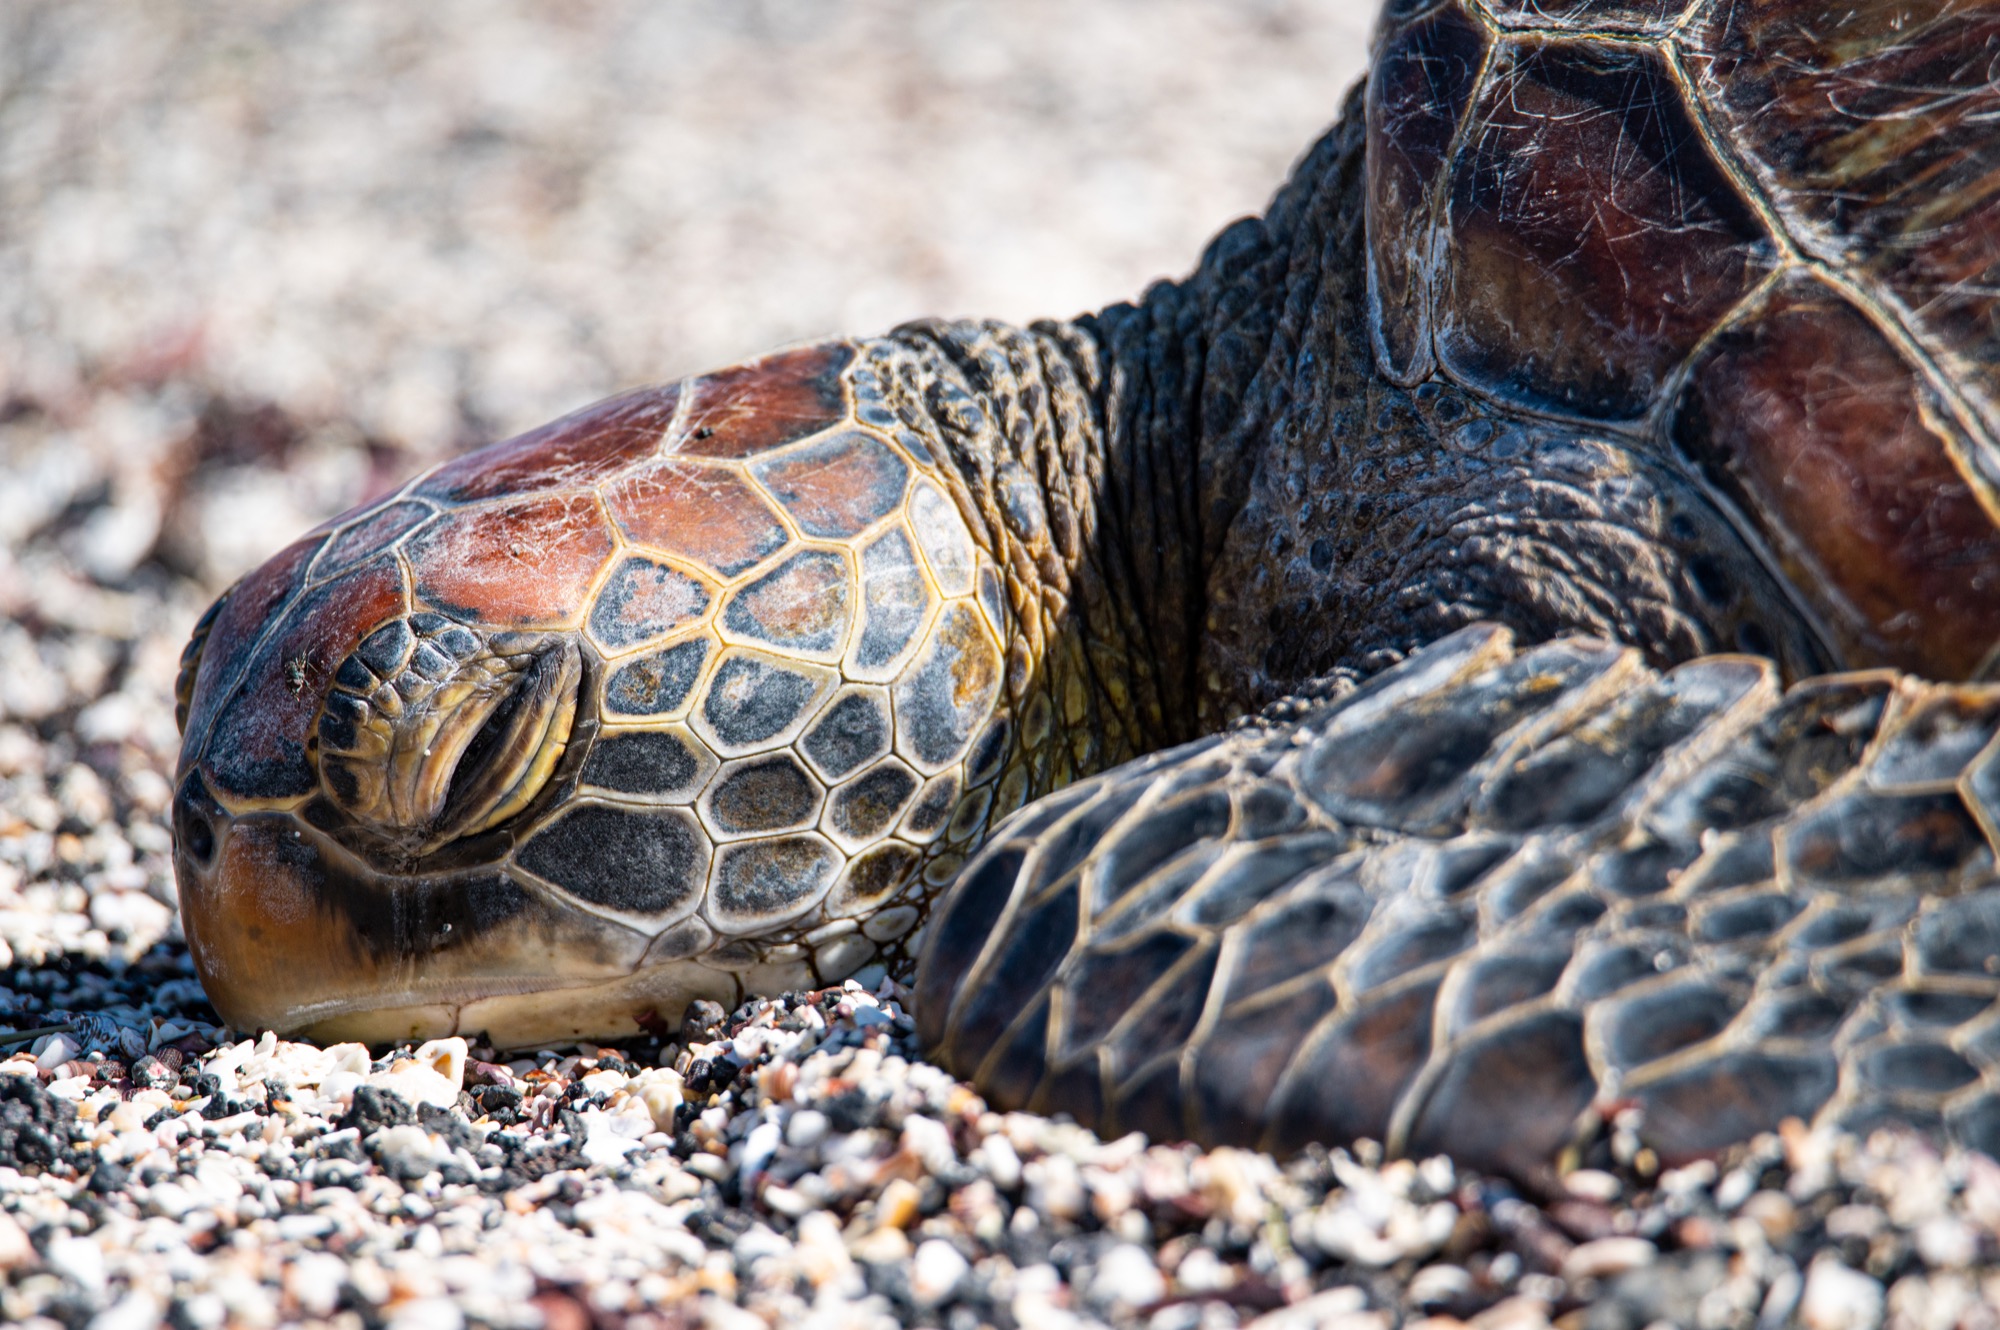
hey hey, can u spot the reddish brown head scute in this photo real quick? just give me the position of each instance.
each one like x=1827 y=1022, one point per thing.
x=1760 y=235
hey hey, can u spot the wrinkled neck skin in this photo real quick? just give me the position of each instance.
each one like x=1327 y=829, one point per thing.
x=1017 y=417
x=1210 y=500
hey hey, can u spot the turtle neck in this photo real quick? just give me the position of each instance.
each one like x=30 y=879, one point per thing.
x=1102 y=462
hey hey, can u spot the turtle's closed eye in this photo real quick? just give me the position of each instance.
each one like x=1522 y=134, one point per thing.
x=509 y=757
x=482 y=755
x=432 y=733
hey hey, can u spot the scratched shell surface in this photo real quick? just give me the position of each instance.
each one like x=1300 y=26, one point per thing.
x=1764 y=235
x=788 y=665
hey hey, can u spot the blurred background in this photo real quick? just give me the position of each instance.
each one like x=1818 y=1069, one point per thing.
x=259 y=261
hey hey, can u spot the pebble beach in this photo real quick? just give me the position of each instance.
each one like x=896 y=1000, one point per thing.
x=259 y=262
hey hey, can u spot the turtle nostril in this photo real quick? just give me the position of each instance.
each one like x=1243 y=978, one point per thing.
x=194 y=830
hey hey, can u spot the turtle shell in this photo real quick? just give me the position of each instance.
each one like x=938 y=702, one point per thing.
x=1761 y=236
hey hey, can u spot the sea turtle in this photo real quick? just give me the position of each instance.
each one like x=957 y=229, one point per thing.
x=1382 y=633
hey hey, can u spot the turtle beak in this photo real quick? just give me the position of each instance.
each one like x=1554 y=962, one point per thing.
x=290 y=933
x=250 y=891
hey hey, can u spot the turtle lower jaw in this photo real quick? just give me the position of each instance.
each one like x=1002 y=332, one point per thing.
x=524 y=1012
x=423 y=1010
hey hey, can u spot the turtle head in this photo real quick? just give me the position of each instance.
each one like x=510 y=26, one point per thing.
x=693 y=694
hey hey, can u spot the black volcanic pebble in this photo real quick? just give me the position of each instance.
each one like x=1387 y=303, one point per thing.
x=34 y=1124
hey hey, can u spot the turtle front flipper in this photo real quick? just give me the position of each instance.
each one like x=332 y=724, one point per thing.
x=1492 y=897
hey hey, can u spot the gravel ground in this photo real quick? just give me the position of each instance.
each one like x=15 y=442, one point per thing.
x=796 y=1164
x=260 y=260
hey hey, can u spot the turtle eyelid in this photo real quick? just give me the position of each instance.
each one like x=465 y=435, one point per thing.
x=510 y=757
x=480 y=752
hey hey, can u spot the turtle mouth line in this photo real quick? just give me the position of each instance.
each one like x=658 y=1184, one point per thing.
x=453 y=993
x=517 y=1012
